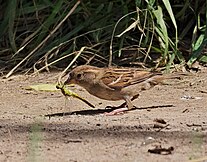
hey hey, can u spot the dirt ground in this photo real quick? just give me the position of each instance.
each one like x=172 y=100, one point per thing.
x=86 y=135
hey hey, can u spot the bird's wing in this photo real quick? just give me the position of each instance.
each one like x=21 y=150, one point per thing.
x=120 y=78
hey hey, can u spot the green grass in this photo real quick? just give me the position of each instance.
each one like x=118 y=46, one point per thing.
x=35 y=138
x=41 y=34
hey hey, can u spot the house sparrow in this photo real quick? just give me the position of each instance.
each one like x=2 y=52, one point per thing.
x=115 y=83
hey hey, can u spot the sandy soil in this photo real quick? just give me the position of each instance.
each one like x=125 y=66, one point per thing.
x=26 y=134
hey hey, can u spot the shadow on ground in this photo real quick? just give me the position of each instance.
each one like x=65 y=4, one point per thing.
x=101 y=111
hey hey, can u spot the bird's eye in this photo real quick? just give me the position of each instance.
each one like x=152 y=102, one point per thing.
x=79 y=76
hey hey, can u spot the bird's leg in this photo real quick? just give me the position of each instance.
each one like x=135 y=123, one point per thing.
x=128 y=102
x=125 y=103
x=123 y=109
x=135 y=97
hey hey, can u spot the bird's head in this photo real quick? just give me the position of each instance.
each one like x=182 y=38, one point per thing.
x=81 y=75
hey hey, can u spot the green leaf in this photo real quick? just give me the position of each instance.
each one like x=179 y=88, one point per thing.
x=50 y=21
x=42 y=87
x=198 y=42
x=203 y=59
x=198 y=48
x=161 y=29
x=169 y=9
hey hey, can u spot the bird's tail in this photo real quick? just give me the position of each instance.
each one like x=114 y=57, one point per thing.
x=158 y=79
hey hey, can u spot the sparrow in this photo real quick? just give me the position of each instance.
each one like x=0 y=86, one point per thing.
x=114 y=83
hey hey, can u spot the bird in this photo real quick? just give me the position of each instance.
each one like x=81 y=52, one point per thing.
x=115 y=83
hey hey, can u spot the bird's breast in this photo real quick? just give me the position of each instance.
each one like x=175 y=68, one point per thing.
x=104 y=93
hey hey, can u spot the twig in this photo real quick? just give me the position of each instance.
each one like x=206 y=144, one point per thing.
x=43 y=42
x=203 y=91
x=71 y=63
x=194 y=125
x=160 y=150
x=112 y=37
x=199 y=159
x=163 y=128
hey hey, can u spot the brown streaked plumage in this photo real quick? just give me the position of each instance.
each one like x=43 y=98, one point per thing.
x=114 y=83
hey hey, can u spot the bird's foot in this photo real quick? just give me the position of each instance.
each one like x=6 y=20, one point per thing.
x=116 y=112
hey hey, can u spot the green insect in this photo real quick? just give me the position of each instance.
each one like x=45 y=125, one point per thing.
x=67 y=92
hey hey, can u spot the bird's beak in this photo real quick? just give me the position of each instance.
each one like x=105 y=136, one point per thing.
x=68 y=81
